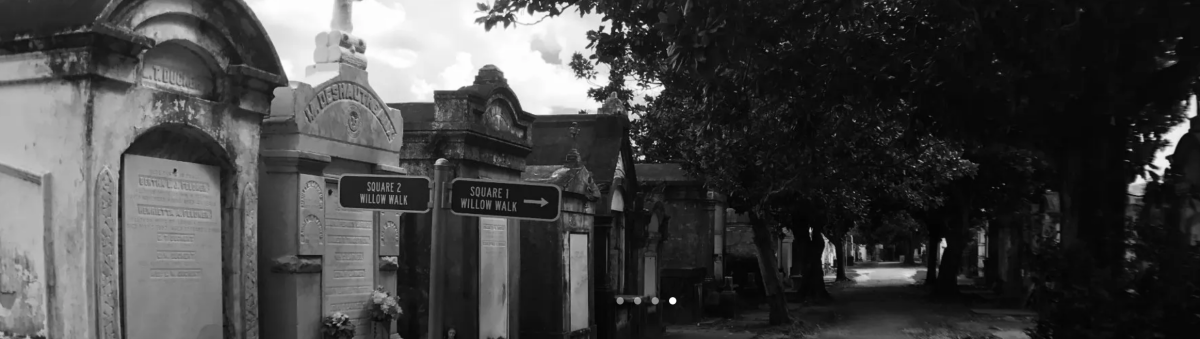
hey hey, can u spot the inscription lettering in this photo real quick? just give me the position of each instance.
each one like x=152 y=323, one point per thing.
x=349 y=240
x=176 y=78
x=347 y=307
x=176 y=237
x=345 y=274
x=491 y=205
x=348 y=224
x=349 y=290
x=350 y=91
x=349 y=256
x=174 y=212
x=176 y=255
x=379 y=199
x=172 y=184
x=175 y=273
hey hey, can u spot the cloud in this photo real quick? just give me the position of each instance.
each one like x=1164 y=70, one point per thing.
x=549 y=50
x=417 y=46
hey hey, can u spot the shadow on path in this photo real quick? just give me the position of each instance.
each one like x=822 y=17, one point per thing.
x=881 y=301
x=884 y=303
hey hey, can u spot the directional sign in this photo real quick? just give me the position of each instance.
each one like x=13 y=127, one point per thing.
x=505 y=199
x=384 y=192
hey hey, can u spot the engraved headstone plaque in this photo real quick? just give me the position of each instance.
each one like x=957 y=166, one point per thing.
x=172 y=249
x=579 y=281
x=493 y=278
x=348 y=277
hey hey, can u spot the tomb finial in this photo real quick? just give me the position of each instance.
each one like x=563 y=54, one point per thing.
x=342 y=19
x=573 y=155
x=613 y=105
x=337 y=45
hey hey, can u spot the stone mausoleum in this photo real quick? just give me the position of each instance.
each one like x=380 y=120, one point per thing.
x=321 y=257
x=482 y=133
x=623 y=247
x=129 y=158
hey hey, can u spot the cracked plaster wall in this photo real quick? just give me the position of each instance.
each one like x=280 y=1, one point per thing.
x=42 y=132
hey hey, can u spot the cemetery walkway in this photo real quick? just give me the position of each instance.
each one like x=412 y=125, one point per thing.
x=882 y=303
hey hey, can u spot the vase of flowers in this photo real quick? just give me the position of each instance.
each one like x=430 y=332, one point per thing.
x=338 y=326
x=384 y=308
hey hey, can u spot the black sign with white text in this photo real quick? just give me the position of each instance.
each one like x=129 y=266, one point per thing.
x=384 y=192
x=505 y=199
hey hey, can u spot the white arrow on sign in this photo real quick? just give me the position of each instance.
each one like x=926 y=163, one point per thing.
x=541 y=202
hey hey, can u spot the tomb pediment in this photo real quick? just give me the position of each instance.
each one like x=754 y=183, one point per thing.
x=343 y=110
x=175 y=68
x=499 y=118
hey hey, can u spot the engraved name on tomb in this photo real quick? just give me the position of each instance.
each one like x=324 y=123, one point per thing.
x=173 y=67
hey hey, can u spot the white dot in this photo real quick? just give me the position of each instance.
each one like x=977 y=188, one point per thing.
x=671 y=301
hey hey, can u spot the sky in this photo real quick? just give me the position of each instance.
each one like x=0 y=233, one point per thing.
x=415 y=47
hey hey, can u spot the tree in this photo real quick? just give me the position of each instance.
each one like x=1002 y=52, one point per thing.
x=779 y=104
x=1092 y=84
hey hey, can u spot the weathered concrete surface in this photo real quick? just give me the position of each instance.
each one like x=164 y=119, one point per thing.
x=78 y=101
x=227 y=29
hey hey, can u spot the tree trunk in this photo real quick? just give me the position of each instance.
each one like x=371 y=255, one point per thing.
x=1094 y=202
x=840 y=258
x=952 y=258
x=935 y=242
x=812 y=284
x=909 y=252
x=993 y=273
x=768 y=264
x=799 y=251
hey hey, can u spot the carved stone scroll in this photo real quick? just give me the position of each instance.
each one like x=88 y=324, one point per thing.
x=250 y=260
x=108 y=289
x=312 y=214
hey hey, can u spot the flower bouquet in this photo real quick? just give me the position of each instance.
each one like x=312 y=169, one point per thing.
x=384 y=306
x=338 y=326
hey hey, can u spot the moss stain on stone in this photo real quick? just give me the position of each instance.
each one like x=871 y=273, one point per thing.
x=22 y=297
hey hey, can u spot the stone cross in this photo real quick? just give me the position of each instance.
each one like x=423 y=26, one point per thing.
x=341 y=16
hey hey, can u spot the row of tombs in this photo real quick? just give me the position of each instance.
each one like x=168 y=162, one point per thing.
x=160 y=177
